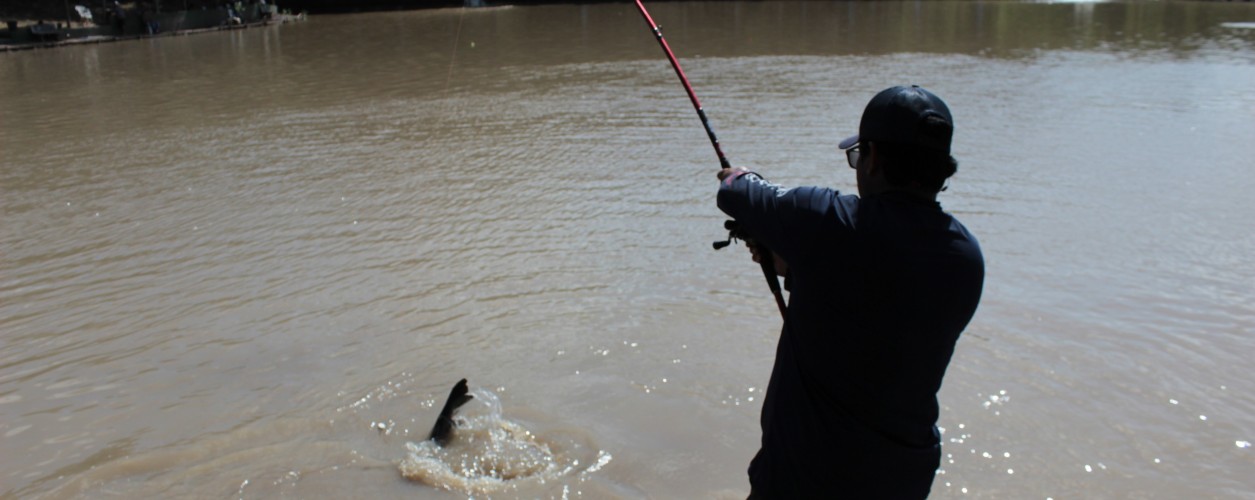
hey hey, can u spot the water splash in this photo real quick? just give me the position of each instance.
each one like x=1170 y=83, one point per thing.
x=490 y=453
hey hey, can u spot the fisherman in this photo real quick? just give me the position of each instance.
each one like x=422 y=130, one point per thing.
x=881 y=285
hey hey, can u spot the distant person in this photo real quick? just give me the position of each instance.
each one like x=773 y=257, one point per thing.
x=881 y=285
x=119 y=18
x=148 y=18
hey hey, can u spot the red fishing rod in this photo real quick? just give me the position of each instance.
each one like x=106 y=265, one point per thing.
x=765 y=259
x=710 y=131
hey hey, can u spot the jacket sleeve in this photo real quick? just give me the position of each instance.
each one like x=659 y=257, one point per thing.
x=783 y=219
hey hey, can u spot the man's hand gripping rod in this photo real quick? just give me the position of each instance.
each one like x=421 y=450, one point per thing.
x=734 y=231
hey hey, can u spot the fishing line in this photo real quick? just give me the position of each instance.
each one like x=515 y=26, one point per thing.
x=457 y=40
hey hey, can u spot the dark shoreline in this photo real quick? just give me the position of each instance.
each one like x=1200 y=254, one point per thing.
x=351 y=6
x=140 y=22
x=58 y=12
x=34 y=25
x=22 y=33
x=15 y=47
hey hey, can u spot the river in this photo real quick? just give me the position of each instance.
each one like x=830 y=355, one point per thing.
x=250 y=264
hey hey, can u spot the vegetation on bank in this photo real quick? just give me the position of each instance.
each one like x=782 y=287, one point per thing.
x=65 y=12
x=124 y=21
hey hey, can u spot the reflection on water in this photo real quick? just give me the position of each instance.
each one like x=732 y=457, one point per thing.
x=226 y=259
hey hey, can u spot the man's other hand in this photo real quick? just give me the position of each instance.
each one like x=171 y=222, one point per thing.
x=782 y=268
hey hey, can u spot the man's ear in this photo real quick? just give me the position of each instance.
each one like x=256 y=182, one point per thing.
x=873 y=160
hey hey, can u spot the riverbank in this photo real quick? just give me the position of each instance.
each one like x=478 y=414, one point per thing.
x=132 y=24
x=5 y=47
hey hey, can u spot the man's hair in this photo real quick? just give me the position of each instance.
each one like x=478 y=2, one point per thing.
x=907 y=164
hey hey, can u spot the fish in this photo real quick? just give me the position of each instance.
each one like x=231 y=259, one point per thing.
x=442 y=432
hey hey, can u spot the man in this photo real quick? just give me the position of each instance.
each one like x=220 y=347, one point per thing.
x=881 y=284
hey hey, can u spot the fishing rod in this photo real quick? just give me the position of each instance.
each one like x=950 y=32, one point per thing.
x=765 y=259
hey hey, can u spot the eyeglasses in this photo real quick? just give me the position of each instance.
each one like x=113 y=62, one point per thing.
x=851 y=155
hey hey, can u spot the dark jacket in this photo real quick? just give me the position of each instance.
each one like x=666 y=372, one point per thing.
x=881 y=288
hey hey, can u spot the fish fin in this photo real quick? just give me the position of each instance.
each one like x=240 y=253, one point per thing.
x=442 y=432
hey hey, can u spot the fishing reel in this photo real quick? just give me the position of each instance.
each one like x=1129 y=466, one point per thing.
x=766 y=260
x=734 y=233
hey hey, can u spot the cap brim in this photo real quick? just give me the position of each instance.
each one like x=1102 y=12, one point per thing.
x=849 y=142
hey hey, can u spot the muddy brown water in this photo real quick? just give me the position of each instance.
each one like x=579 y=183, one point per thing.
x=251 y=263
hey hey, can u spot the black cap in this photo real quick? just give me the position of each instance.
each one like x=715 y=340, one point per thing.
x=898 y=115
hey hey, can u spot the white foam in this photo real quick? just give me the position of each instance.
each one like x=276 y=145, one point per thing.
x=489 y=453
